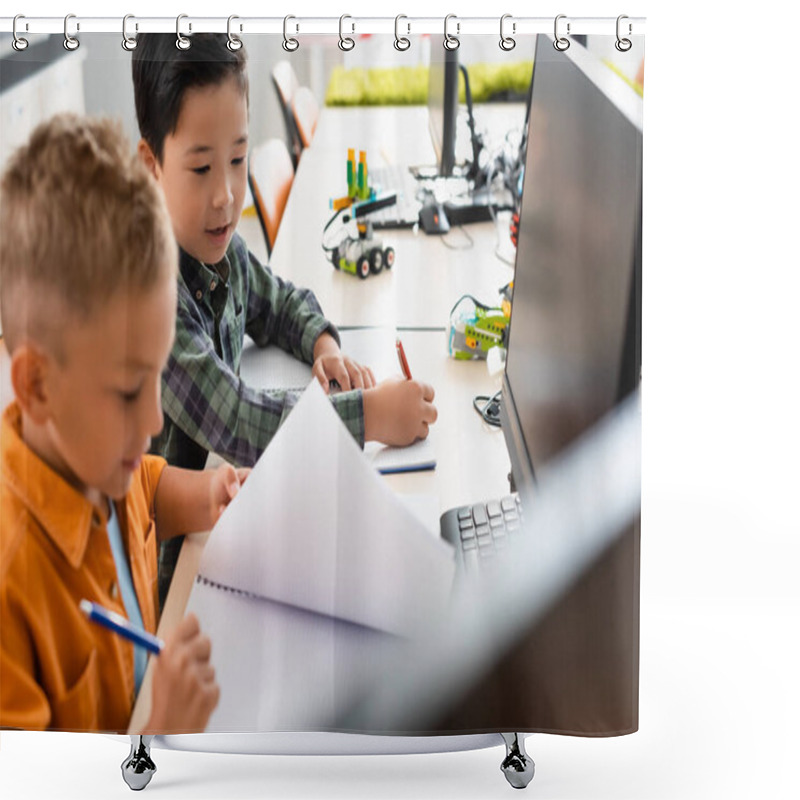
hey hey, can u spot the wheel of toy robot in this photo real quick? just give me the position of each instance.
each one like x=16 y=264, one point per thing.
x=388 y=257
x=362 y=267
x=335 y=258
x=376 y=260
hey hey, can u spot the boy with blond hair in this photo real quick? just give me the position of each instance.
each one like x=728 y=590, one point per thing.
x=87 y=299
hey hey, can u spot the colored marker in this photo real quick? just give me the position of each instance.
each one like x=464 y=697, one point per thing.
x=117 y=623
x=363 y=181
x=401 y=355
x=351 y=172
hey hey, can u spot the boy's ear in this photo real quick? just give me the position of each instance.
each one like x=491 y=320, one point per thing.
x=148 y=157
x=29 y=370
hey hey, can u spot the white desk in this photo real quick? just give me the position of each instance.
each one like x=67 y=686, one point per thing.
x=472 y=462
x=428 y=276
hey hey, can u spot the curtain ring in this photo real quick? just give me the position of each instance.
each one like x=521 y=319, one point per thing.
x=182 y=43
x=128 y=42
x=401 y=42
x=18 y=43
x=70 y=42
x=507 y=42
x=289 y=44
x=345 y=43
x=623 y=45
x=561 y=43
x=451 y=42
x=234 y=43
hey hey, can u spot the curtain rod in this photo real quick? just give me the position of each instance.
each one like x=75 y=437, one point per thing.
x=402 y=25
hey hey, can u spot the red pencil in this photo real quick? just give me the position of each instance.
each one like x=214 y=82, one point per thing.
x=401 y=355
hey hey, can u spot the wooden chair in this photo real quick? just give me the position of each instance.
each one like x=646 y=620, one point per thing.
x=306 y=114
x=284 y=79
x=299 y=108
x=270 y=174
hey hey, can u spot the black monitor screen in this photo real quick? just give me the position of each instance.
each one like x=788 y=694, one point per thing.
x=575 y=331
x=443 y=107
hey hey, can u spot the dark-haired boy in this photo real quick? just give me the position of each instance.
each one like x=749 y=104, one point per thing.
x=192 y=110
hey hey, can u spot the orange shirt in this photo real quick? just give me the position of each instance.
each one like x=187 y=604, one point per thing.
x=58 y=670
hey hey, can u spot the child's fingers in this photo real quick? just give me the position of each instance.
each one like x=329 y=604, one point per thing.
x=232 y=483
x=430 y=414
x=318 y=371
x=427 y=392
x=362 y=376
x=242 y=473
x=339 y=373
x=355 y=371
x=211 y=692
x=199 y=648
x=188 y=628
x=205 y=673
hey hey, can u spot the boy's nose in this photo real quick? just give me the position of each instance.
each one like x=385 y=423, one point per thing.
x=223 y=195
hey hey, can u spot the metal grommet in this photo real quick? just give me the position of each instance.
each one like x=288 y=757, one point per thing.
x=128 y=42
x=401 y=42
x=561 y=43
x=234 y=43
x=623 y=44
x=182 y=42
x=507 y=42
x=289 y=44
x=18 y=43
x=345 y=42
x=70 y=42
x=451 y=42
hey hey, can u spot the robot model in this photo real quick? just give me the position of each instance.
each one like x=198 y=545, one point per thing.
x=357 y=250
x=476 y=328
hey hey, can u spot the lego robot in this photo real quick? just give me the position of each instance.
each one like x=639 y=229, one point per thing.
x=476 y=328
x=362 y=254
x=358 y=251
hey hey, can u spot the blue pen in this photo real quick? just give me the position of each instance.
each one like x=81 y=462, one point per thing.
x=120 y=625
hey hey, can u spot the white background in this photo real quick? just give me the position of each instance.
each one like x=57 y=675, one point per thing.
x=719 y=666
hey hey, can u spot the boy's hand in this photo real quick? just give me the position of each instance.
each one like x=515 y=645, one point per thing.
x=184 y=689
x=225 y=484
x=398 y=412
x=331 y=365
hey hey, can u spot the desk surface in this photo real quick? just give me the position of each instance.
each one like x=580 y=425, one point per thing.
x=472 y=462
x=430 y=272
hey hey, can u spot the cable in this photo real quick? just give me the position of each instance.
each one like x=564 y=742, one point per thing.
x=476 y=302
x=470 y=241
x=489 y=407
x=328 y=248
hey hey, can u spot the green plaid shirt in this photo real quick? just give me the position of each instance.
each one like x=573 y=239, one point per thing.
x=207 y=407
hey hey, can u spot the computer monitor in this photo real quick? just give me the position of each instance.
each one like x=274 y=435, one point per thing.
x=443 y=107
x=575 y=329
x=573 y=355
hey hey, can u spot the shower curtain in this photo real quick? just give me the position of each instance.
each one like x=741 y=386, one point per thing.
x=385 y=174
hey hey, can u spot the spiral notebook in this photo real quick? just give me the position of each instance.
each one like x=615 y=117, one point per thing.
x=319 y=586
